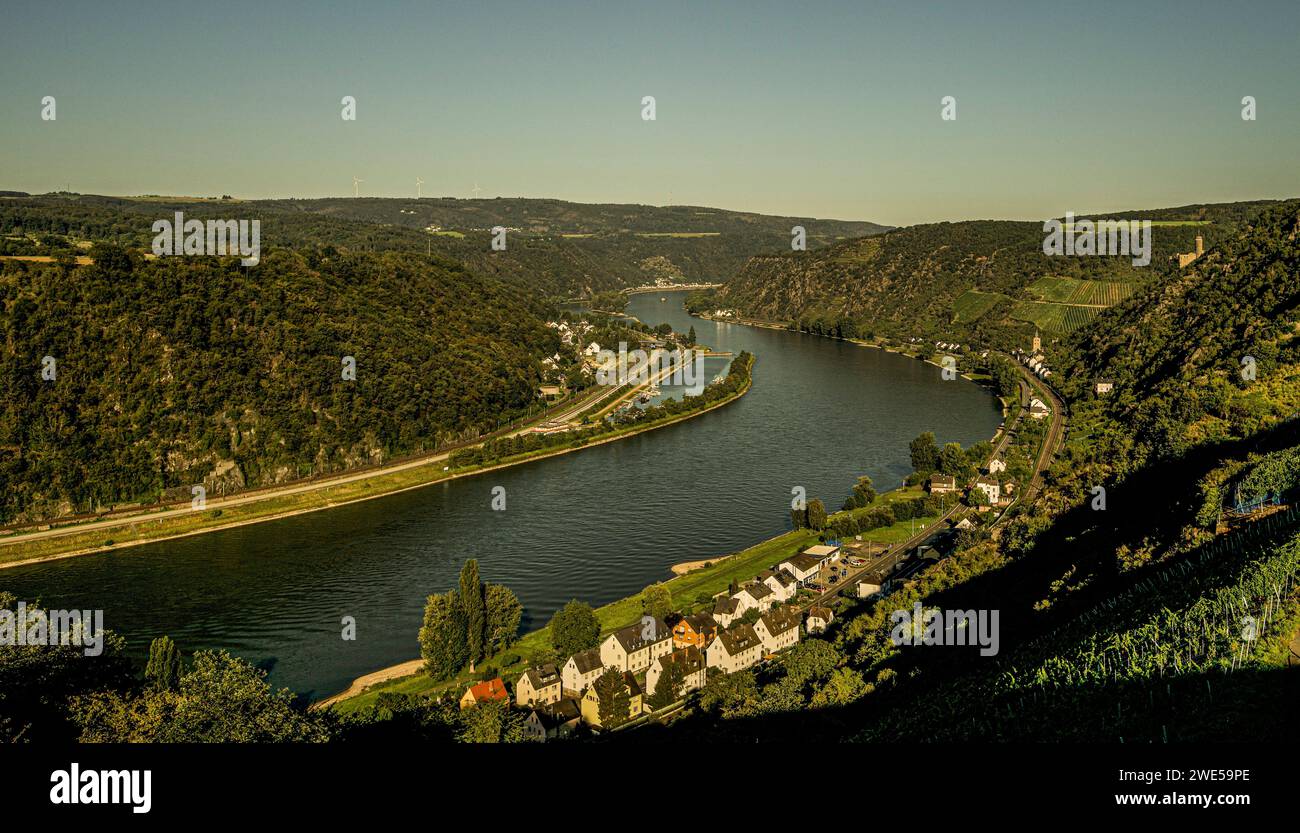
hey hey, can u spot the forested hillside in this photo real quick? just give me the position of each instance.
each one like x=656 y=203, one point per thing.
x=556 y=248
x=977 y=278
x=181 y=371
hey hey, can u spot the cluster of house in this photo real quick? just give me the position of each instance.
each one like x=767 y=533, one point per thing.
x=571 y=335
x=1035 y=360
x=561 y=698
x=999 y=491
x=947 y=345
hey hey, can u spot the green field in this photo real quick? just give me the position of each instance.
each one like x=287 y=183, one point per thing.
x=1075 y=291
x=1060 y=318
x=972 y=305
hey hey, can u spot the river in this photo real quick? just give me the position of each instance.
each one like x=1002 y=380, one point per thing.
x=596 y=525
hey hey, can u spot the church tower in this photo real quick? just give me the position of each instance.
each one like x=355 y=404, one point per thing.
x=1037 y=344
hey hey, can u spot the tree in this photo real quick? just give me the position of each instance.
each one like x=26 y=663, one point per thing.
x=816 y=514
x=504 y=613
x=164 y=668
x=222 y=699
x=925 y=453
x=669 y=687
x=656 y=601
x=442 y=637
x=613 y=701
x=471 y=599
x=574 y=628
x=864 y=494
x=953 y=461
x=799 y=517
x=491 y=722
x=690 y=336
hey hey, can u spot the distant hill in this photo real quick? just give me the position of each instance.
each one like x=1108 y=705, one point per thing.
x=560 y=249
x=986 y=277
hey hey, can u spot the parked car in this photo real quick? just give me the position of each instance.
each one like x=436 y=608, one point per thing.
x=812 y=585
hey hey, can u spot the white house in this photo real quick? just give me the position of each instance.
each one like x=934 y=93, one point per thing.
x=728 y=609
x=758 y=595
x=538 y=686
x=781 y=582
x=778 y=629
x=580 y=671
x=997 y=466
x=1037 y=409
x=819 y=618
x=635 y=647
x=989 y=485
x=735 y=649
x=806 y=565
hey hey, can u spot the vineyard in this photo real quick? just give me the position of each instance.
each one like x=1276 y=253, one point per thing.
x=1074 y=291
x=1053 y=317
x=1141 y=665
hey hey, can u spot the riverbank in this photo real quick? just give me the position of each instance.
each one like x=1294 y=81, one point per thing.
x=704 y=576
x=229 y=513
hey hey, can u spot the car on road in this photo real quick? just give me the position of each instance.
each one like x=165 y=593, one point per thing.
x=812 y=585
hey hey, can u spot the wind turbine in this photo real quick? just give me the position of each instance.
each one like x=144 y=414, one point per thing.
x=418 y=192
x=356 y=191
x=476 y=189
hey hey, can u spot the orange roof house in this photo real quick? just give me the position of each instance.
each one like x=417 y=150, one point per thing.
x=493 y=689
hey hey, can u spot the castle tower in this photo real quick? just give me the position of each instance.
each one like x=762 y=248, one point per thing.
x=1037 y=344
x=1200 y=245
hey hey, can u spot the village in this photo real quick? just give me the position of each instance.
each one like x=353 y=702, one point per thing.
x=661 y=660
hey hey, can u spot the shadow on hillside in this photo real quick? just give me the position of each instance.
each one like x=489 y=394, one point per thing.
x=1243 y=706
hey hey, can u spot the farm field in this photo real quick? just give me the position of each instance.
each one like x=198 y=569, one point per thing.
x=1060 y=318
x=1076 y=291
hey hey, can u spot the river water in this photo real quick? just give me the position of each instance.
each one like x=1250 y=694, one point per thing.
x=596 y=525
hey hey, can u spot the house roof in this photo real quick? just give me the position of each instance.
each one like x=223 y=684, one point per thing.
x=780 y=620
x=700 y=622
x=493 y=689
x=542 y=676
x=783 y=577
x=821 y=550
x=558 y=713
x=587 y=661
x=819 y=612
x=943 y=480
x=757 y=590
x=690 y=657
x=986 y=480
x=633 y=638
x=738 y=638
x=803 y=562
x=725 y=605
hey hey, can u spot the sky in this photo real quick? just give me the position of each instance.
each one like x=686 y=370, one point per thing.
x=820 y=109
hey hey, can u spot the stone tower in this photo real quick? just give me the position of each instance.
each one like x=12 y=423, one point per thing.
x=1037 y=344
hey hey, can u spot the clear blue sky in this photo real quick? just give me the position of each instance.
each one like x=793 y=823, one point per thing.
x=823 y=109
